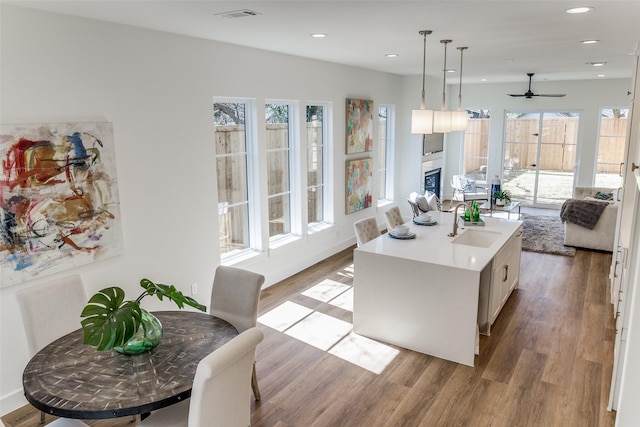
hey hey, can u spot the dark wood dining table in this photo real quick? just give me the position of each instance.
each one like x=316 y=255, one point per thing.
x=72 y=380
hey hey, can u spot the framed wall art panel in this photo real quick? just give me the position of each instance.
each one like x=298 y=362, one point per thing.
x=358 y=184
x=58 y=198
x=359 y=120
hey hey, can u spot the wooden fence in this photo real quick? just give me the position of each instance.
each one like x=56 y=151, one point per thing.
x=232 y=177
x=559 y=144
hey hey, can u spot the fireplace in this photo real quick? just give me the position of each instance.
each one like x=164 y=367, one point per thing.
x=432 y=181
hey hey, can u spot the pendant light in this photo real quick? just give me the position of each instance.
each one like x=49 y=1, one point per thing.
x=442 y=118
x=460 y=118
x=422 y=119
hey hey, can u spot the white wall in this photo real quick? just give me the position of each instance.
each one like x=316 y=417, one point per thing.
x=157 y=90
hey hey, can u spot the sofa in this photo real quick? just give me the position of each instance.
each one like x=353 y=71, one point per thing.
x=602 y=235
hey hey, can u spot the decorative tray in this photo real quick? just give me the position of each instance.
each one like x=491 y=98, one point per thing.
x=416 y=222
x=476 y=223
x=404 y=237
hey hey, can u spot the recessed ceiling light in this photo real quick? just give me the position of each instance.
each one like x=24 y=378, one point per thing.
x=392 y=55
x=589 y=41
x=484 y=80
x=596 y=64
x=583 y=9
x=242 y=13
x=601 y=75
x=318 y=35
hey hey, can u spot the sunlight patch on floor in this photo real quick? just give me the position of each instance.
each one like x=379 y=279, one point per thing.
x=344 y=300
x=347 y=271
x=320 y=330
x=328 y=333
x=284 y=316
x=364 y=352
x=326 y=290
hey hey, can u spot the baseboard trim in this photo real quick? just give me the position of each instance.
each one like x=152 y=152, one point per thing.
x=12 y=401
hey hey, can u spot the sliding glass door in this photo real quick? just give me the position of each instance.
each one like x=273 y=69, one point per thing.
x=540 y=155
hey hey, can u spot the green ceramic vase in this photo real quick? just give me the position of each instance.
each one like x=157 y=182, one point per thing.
x=147 y=337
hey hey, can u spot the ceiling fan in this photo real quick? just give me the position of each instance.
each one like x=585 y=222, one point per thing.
x=529 y=94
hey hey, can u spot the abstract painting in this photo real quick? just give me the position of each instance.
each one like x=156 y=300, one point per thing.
x=59 y=205
x=359 y=178
x=359 y=126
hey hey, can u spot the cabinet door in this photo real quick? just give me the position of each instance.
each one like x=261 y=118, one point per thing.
x=498 y=285
x=514 y=260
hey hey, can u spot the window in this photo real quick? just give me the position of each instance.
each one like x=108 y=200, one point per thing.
x=316 y=154
x=233 y=175
x=476 y=144
x=280 y=157
x=540 y=156
x=385 y=153
x=611 y=145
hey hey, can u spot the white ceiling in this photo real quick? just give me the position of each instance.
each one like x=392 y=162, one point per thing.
x=506 y=39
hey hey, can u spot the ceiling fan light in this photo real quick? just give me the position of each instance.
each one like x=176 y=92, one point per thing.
x=442 y=121
x=459 y=120
x=422 y=122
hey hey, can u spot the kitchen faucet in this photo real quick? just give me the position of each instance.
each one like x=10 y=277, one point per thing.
x=454 y=233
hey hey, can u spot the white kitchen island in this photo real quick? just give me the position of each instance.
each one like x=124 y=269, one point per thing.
x=429 y=294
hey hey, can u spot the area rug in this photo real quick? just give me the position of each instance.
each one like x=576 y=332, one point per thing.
x=545 y=234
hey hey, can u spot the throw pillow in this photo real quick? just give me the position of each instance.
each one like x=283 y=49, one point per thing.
x=423 y=204
x=432 y=201
x=603 y=196
x=468 y=185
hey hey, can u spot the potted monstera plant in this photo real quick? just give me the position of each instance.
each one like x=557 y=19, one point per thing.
x=110 y=322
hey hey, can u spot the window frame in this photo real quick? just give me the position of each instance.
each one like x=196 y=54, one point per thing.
x=326 y=194
x=295 y=215
x=599 y=141
x=252 y=181
x=463 y=156
x=388 y=168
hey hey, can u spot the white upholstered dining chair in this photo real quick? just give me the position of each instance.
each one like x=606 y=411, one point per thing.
x=49 y=311
x=220 y=396
x=366 y=229
x=393 y=218
x=235 y=297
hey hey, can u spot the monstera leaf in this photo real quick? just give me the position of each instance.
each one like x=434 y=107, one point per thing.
x=170 y=292
x=110 y=321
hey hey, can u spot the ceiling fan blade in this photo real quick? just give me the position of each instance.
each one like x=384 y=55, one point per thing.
x=529 y=94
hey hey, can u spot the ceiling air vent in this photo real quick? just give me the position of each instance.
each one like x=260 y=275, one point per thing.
x=242 y=13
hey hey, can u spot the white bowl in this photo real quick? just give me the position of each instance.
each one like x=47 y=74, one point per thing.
x=424 y=217
x=401 y=230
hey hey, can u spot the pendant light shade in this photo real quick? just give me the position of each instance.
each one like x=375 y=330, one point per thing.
x=442 y=119
x=422 y=119
x=460 y=118
x=422 y=122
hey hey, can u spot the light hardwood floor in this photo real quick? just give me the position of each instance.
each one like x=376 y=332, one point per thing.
x=547 y=362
